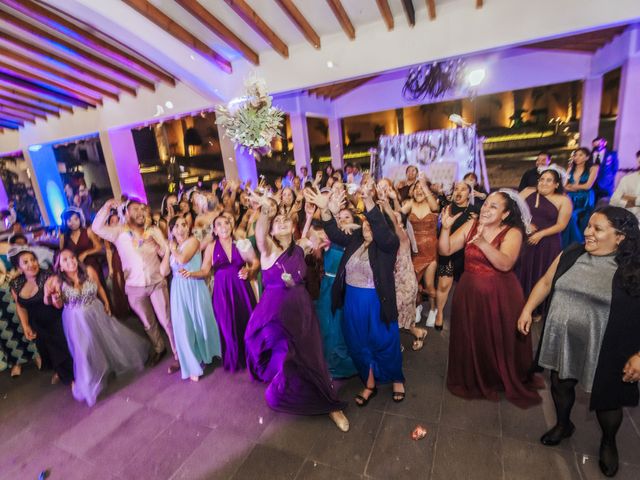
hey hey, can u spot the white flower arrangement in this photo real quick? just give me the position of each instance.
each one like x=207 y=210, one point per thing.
x=251 y=121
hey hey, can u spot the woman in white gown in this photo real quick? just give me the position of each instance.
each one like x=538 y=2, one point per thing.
x=99 y=344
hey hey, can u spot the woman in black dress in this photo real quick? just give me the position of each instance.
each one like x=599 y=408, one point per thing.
x=39 y=321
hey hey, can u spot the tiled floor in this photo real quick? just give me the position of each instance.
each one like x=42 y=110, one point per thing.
x=155 y=426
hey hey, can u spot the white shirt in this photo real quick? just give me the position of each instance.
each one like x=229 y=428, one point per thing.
x=629 y=185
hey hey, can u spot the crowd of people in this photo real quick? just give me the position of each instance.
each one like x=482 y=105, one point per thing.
x=313 y=279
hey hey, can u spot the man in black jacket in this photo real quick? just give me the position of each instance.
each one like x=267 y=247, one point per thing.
x=530 y=177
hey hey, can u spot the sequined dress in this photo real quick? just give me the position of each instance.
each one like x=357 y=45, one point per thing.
x=99 y=344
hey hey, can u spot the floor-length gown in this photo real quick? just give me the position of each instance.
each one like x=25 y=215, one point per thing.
x=284 y=345
x=46 y=322
x=487 y=355
x=194 y=324
x=233 y=302
x=334 y=346
x=583 y=203
x=99 y=344
x=536 y=259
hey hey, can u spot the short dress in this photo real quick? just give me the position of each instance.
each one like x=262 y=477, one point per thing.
x=577 y=319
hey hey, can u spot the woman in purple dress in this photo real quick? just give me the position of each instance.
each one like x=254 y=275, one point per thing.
x=550 y=211
x=234 y=263
x=284 y=345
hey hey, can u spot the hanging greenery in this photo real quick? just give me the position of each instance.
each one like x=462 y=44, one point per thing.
x=251 y=121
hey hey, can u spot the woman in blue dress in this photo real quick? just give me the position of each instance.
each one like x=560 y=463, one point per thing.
x=582 y=176
x=194 y=325
x=335 y=349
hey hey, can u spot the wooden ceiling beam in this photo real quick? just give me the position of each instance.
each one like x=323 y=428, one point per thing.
x=33 y=100
x=11 y=118
x=88 y=39
x=205 y=17
x=431 y=8
x=23 y=108
x=177 y=31
x=300 y=21
x=9 y=125
x=69 y=47
x=17 y=114
x=343 y=18
x=410 y=11
x=251 y=18
x=31 y=47
x=32 y=87
x=53 y=84
x=66 y=76
x=385 y=11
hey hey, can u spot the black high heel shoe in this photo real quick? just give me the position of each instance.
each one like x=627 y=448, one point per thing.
x=608 y=459
x=361 y=401
x=554 y=436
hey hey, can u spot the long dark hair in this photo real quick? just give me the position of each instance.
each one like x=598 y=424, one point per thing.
x=82 y=269
x=514 y=218
x=627 y=256
x=587 y=165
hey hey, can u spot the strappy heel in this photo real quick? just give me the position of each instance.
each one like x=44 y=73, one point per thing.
x=362 y=401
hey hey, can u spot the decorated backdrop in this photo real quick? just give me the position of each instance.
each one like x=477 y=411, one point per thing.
x=446 y=155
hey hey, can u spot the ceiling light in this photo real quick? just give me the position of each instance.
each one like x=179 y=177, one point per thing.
x=330 y=64
x=168 y=104
x=475 y=77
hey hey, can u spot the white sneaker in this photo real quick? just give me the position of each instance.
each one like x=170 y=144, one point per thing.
x=431 y=319
x=418 y=313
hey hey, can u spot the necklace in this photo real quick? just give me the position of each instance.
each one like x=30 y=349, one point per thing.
x=137 y=241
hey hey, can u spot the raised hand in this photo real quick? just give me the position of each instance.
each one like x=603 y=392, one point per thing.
x=447 y=219
x=478 y=238
x=317 y=199
x=336 y=202
x=367 y=189
x=349 y=228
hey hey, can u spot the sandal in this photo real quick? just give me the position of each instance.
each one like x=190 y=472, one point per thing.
x=362 y=401
x=397 y=396
x=418 y=343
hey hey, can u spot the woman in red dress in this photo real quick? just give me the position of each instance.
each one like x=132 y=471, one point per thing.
x=487 y=355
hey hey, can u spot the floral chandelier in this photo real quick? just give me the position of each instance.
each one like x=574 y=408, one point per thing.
x=251 y=121
x=433 y=80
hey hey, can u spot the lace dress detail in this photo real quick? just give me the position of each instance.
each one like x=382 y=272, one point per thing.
x=358 y=269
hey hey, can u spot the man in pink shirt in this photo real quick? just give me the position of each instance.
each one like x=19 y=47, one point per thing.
x=141 y=251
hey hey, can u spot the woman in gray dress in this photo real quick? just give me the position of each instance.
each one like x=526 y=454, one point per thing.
x=591 y=334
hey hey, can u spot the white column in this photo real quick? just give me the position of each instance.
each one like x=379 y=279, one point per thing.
x=627 y=139
x=300 y=136
x=121 y=159
x=335 y=141
x=590 y=115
